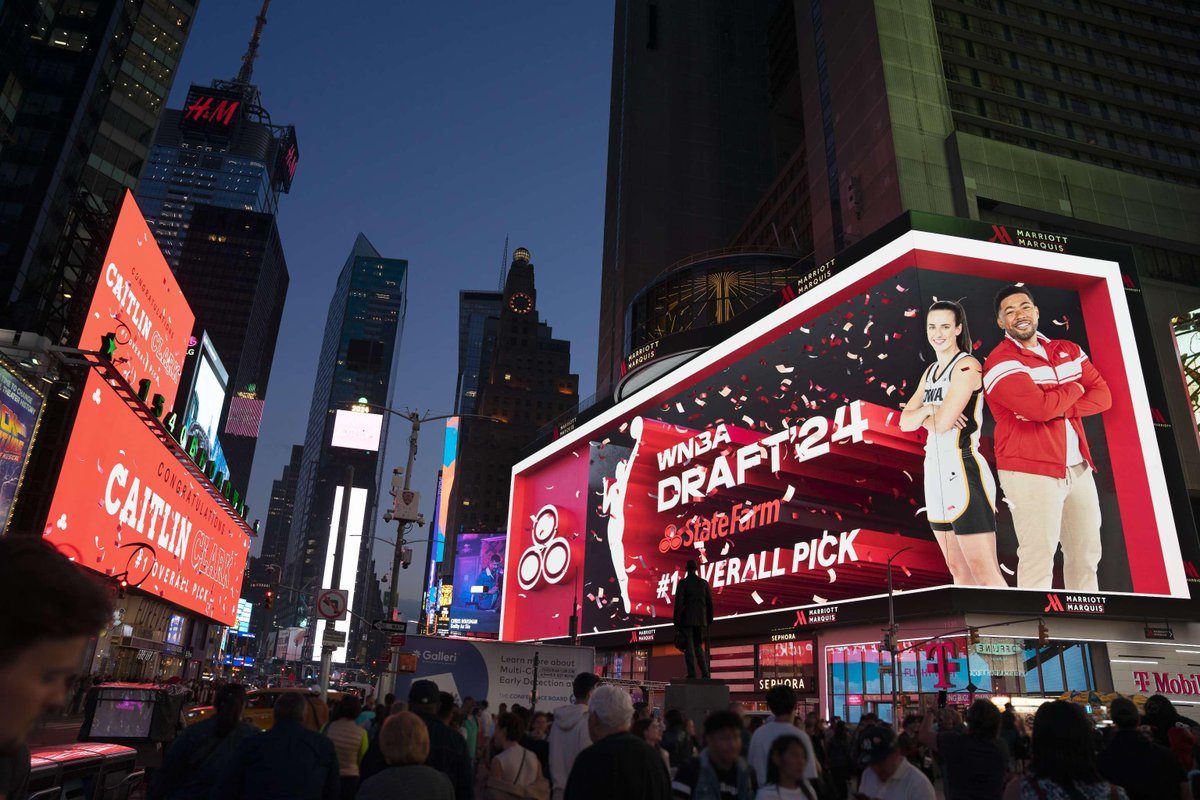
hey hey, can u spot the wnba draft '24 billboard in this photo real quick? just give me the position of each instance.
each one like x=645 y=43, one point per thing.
x=778 y=462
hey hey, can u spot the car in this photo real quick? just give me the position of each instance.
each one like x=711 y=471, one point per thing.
x=260 y=704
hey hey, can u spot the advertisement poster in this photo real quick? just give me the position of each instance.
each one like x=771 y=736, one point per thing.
x=498 y=672
x=126 y=507
x=478 y=585
x=777 y=460
x=202 y=419
x=19 y=409
x=138 y=299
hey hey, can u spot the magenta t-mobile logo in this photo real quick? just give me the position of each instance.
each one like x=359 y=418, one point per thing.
x=938 y=655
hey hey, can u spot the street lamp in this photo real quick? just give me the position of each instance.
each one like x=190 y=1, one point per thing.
x=415 y=420
x=891 y=633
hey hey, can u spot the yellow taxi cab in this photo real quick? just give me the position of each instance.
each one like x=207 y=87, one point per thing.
x=260 y=704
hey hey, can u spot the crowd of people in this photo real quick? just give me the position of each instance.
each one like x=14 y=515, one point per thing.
x=432 y=747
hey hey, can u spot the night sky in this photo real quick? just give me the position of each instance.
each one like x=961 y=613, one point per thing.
x=436 y=130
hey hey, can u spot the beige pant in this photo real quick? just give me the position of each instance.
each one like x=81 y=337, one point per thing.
x=1048 y=512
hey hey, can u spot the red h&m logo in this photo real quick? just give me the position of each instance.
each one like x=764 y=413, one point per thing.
x=938 y=655
x=203 y=110
x=1053 y=603
x=1000 y=235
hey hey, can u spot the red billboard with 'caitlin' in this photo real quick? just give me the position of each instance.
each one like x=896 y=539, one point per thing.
x=126 y=506
x=792 y=460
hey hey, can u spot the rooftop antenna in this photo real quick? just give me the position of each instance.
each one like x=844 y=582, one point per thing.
x=247 y=69
x=503 y=264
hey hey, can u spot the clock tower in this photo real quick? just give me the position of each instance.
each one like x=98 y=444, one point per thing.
x=520 y=297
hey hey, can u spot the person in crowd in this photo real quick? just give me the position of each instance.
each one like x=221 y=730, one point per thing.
x=1063 y=763
x=840 y=764
x=203 y=751
x=1144 y=769
x=974 y=761
x=40 y=647
x=447 y=750
x=570 y=734
x=909 y=741
x=865 y=724
x=692 y=615
x=535 y=727
x=650 y=731
x=1010 y=734
x=1039 y=390
x=445 y=709
x=288 y=762
x=405 y=743
x=382 y=710
x=616 y=765
x=641 y=710
x=887 y=775
x=366 y=717
x=785 y=771
x=814 y=726
x=470 y=728
x=781 y=699
x=513 y=766
x=680 y=746
x=1173 y=731
x=720 y=772
x=349 y=741
x=959 y=486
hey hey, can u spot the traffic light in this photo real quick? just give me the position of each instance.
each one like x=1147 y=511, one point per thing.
x=122 y=585
x=973 y=636
x=1043 y=634
x=108 y=346
x=269 y=601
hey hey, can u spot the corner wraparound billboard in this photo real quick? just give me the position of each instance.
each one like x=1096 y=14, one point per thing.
x=777 y=459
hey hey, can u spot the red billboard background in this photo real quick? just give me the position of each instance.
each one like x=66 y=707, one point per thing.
x=126 y=507
x=807 y=483
x=138 y=299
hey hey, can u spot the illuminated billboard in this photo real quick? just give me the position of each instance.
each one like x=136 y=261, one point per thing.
x=355 y=520
x=783 y=459
x=20 y=406
x=478 y=585
x=202 y=418
x=138 y=299
x=245 y=609
x=245 y=415
x=126 y=506
x=357 y=430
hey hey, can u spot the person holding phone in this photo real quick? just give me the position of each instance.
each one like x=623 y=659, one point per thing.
x=960 y=491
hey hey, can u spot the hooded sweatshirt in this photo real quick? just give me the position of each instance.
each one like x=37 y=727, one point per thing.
x=567 y=738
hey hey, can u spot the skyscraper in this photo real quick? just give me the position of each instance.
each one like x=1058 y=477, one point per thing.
x=357 y=360
x=267 y=570
x=689 y=144
x=81 y=89
x=475 y=308
x=528 y=383
x=211 y=195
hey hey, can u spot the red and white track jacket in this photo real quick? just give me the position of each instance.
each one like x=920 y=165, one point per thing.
x=1049 y=394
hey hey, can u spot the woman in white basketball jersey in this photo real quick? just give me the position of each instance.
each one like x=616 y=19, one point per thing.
x=960 y=491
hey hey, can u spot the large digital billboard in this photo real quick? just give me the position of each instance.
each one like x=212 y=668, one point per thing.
x=202 y=418
x=478 y=585
x=126 y=507
x=138 y=299
x=791 y=460
x=348 y=578
x=20 y=406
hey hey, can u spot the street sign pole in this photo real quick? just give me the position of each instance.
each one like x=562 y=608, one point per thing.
x=336 y=578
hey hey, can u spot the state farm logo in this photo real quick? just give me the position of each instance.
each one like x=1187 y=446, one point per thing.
x=549 y=557
x=1074 y=603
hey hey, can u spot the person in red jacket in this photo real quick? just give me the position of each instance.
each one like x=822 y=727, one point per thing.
x=1039 y=390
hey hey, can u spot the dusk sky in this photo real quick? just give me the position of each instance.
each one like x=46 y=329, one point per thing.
x=436 y=130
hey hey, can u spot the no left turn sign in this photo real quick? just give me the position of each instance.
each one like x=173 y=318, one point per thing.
x=331 y=604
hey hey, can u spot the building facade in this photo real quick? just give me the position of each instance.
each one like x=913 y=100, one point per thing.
x=475 y=308
x=528 y=383
x=82 y=86
x=358 y=359
x=265 y=572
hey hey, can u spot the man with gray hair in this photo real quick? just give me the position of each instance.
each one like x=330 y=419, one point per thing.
x=617 y=764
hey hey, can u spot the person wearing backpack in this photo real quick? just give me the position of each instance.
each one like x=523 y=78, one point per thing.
x=200 y=754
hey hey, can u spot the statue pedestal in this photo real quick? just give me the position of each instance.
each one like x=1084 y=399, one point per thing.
x=696 y=698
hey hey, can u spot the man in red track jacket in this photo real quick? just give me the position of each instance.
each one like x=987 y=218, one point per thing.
x=1039 y=389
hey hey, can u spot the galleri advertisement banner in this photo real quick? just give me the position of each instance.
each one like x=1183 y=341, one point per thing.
x=777 y=460
x=499 y=672
x=19 y=409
